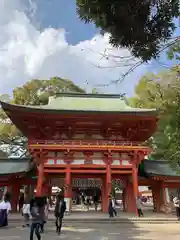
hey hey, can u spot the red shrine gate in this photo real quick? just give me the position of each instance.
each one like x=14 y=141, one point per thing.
x=77 y=163
x=86 y=136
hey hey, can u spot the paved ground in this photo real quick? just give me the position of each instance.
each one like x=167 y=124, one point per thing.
x=99 y=216
x=99 y=232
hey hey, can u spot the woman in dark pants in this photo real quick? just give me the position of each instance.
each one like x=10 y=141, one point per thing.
x=110 y=208
x=36 y=220
x=5 y=208
x=60 y=209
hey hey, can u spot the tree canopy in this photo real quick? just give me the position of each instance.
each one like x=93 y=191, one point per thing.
x=34 y=92
x=141 y=26
x=174 y=51
x=162 y=91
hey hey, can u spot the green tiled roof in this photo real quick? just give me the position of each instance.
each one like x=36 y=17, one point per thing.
x=87 y=103
x=159 y=168
x=14 y=165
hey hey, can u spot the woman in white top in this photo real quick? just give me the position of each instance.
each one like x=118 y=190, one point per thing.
x=139 y=206
x=5 y=208
x=26 y=213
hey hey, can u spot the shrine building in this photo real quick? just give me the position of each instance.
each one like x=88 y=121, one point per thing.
x=78 y=137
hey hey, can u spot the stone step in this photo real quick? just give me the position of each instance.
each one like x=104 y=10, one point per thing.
x=107 y=220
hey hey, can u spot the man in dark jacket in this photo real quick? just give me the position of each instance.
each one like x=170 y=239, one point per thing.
x=60 y=209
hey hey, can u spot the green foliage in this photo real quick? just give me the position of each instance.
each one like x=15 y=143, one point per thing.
x=34 y=92
x=140 y=26
x=174 y=51
x=37 y=92
x=160 y=91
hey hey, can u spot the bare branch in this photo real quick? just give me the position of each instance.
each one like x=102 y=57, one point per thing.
x=127 y=61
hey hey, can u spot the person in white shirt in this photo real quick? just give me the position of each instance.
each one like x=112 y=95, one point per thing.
x=26 y=213
x=139 y=206
x=176 y=202
x=5 y=208
x=114 y=206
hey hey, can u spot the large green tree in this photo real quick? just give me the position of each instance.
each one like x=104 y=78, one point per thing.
x=34 y=92
x=141 y=26
x=161 y=91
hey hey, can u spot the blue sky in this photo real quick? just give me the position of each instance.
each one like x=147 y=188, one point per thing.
x=45 y=38
x=62 y=14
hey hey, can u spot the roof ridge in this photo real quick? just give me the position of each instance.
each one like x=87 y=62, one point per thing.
x=88 y=95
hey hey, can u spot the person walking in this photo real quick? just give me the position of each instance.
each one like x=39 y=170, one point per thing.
x=83 y=201
x=114 y=206
x=139 y=206
x=5 y=208
x=26 y=213
x=47 y=205
x=42 y=217
x=110 y=208
x=36 y=220
x=87 y=202
x=96 y=200
x=60 y=209
x=21 y=202
x=176 y=202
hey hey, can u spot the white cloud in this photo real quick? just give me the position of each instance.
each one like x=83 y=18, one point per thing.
x=27 y=53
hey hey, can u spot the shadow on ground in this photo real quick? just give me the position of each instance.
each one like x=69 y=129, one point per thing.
x=102 y=231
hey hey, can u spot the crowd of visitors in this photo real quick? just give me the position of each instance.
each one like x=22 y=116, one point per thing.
x=35 y=213
x=86 y=201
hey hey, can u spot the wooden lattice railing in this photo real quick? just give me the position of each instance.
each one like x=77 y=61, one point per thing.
x=84 y=142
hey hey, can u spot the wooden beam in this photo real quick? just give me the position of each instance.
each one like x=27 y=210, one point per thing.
x=75 y=166
x=120 y=172
x=74 y=171
x=97 y=148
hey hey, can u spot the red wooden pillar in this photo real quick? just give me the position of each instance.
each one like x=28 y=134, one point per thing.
x=124 y=199
x=108 y=179
x=68 y=187
x=135 y=185
x=47 y=186
x=15 y=197
x=103 y=196
x=9 y=189
x=40 y=180
x=107 y=187
x=158 y=195
x=129 y=199
x=164 y=199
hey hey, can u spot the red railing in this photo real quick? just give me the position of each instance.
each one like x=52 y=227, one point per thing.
x=84 y=142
